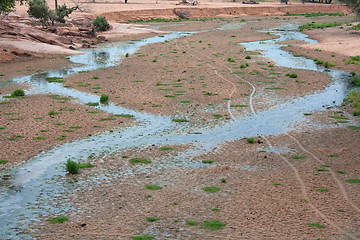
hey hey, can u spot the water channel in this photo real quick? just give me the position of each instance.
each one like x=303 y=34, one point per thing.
x=26 y=194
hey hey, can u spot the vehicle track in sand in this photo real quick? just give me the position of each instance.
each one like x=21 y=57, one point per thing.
x=296 y=172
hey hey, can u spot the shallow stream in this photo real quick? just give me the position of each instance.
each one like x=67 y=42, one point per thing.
x=28 y=190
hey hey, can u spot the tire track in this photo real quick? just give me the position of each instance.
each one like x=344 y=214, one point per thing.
x=341 y=187
x=294 y=169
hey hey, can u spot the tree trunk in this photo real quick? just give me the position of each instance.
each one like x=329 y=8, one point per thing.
x=56 y=4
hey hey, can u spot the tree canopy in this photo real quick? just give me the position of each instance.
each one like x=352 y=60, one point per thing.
x=6 y=6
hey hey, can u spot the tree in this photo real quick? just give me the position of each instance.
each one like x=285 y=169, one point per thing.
x=6 y=6
x=355 y=5
x=40 y=10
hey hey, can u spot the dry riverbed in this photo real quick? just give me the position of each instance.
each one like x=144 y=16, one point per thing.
x=289 y=186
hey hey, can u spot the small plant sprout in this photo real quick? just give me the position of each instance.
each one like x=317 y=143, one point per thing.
x=223 y=180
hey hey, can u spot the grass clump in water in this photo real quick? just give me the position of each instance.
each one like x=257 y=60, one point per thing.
x=72 y=167
x=211 y=189
x=213 y=225
x=59 y=219
x=180 y=120
x=92 y=104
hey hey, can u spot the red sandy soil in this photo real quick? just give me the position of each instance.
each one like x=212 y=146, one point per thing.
x=23 y=120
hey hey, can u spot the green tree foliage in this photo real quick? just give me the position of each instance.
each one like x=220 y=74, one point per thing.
x=40 y=10
x=6 y=6
x=60 y=14
x=355 y=5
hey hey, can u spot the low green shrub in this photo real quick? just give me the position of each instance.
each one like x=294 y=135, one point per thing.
x=250 y=140
x=355 y=80
x=72 y=166
x=18 y=93
x=101 y=24
x=104 y=98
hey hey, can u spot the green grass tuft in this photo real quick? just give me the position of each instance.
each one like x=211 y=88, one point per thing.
x=139 y=160
x=208 y=161
x=59 y=219
x=353 y=181
x=2 y=161
x=250 y=140
x=152 y=219
x=298 y=157
x=92 y=104
x=166 y=148
x=142 y=237
x=192 y=223
x=152 y=187
x=211 y=189
x=322 y=190
x=213 y=225
x=180 y=120
x=85 y=165
x=124 y=115
x=317 y=225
